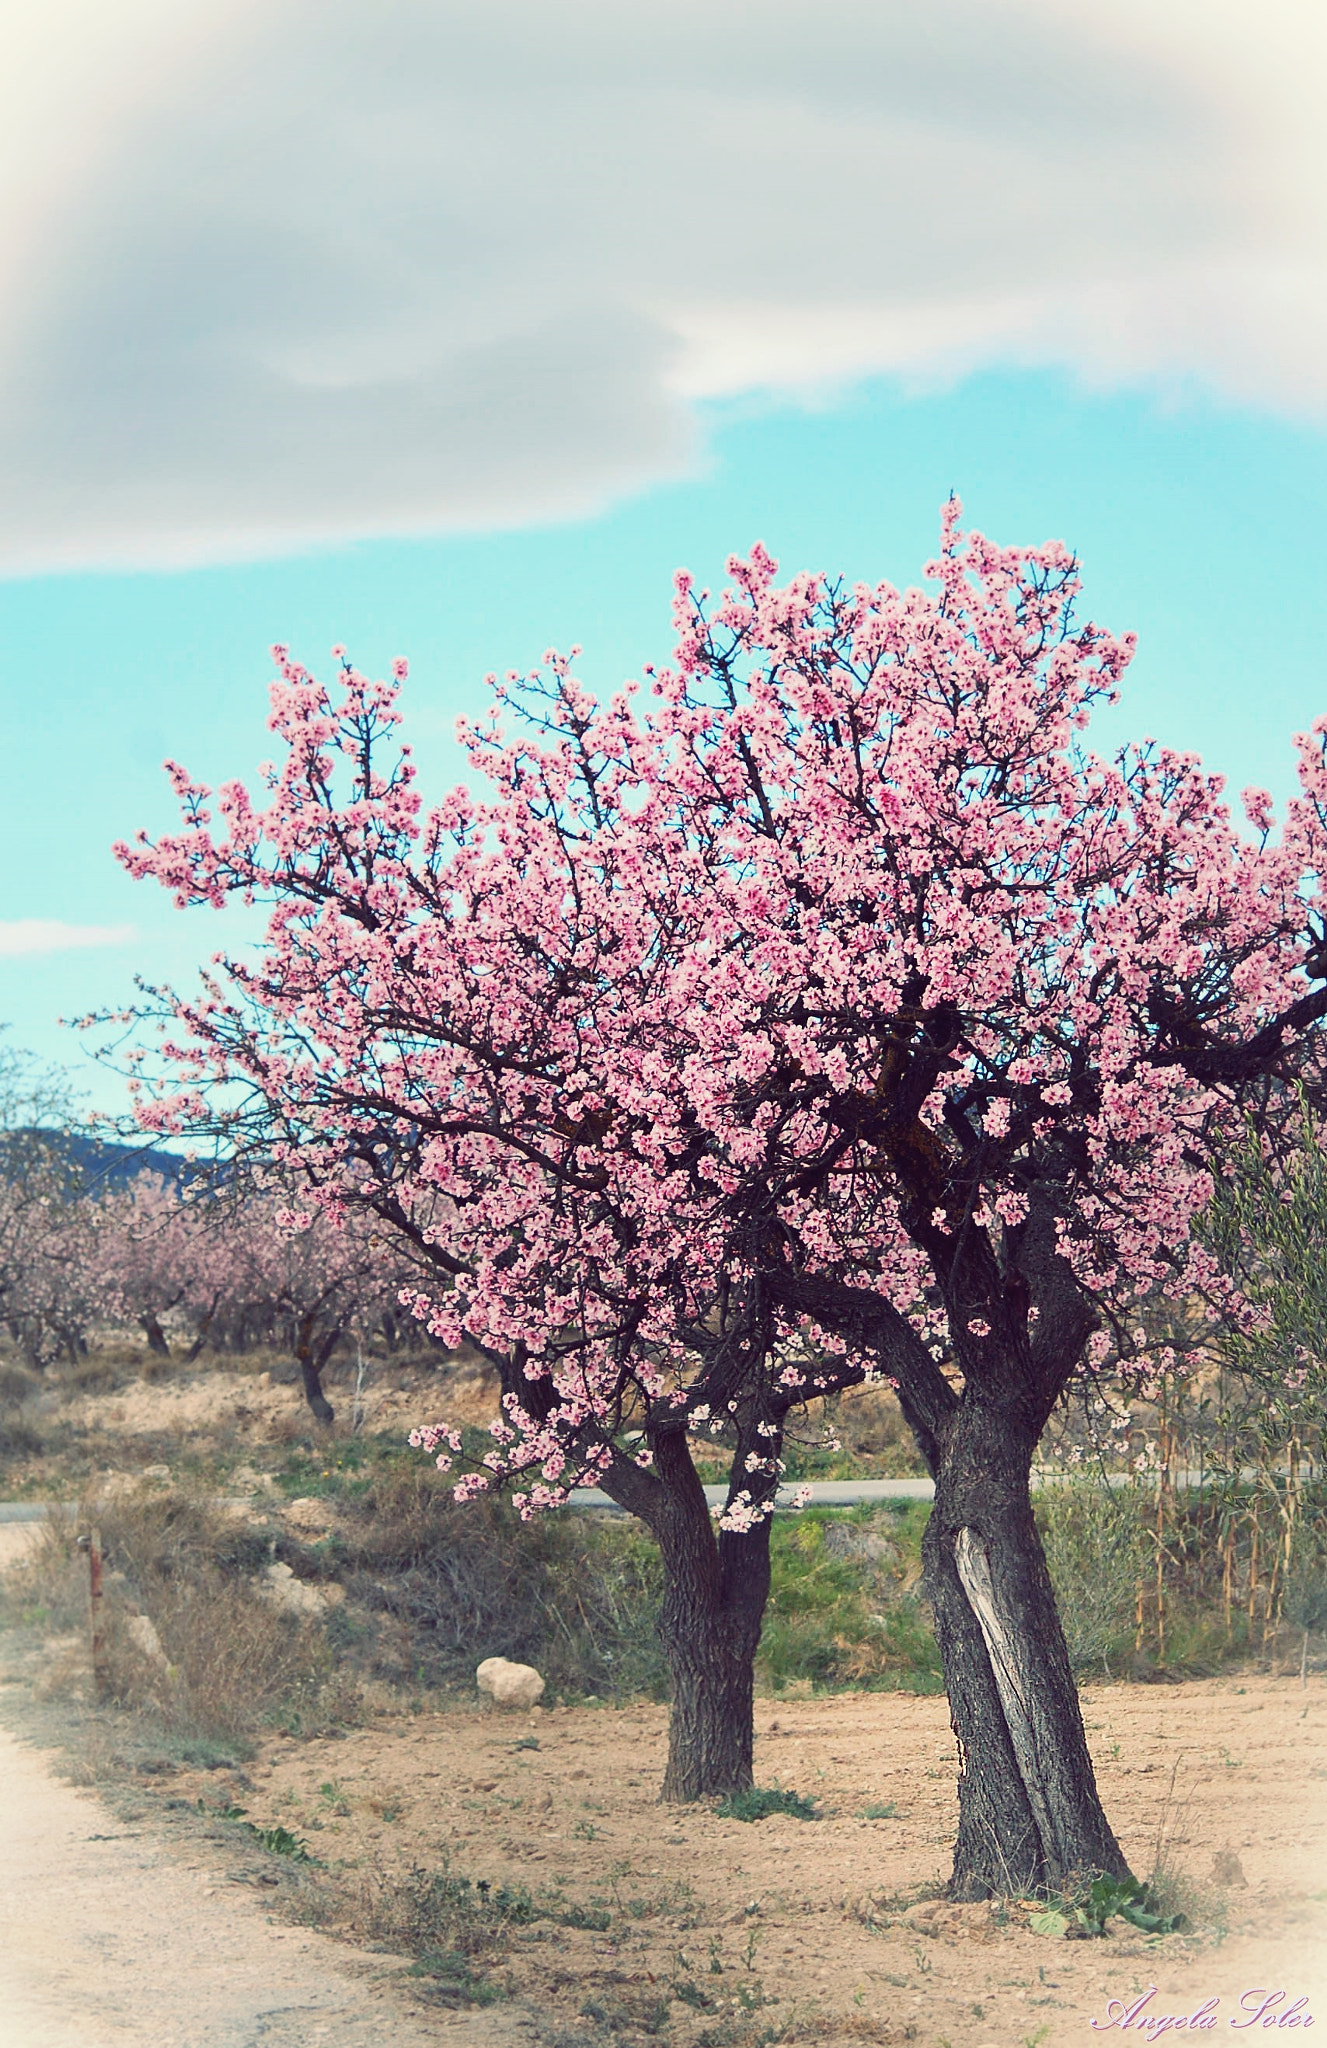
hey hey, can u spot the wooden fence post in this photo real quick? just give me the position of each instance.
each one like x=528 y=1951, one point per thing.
x=92 y=1544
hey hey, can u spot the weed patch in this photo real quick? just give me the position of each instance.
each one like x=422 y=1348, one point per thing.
x=842 y=1607
x=1083 y=1913
x=760 y=1802
x=221 y=1662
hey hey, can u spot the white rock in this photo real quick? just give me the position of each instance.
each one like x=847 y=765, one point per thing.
x=297 y=1596
x=143 y=1635
x=509 y=1685
x=245 y=1480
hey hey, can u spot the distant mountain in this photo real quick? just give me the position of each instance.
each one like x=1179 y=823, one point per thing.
x=100 y=1164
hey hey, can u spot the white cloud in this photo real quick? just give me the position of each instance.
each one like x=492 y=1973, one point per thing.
x=310 y=269
x=26 y=935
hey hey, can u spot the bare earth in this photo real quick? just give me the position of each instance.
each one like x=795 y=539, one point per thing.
x=108 y=1938
x=142 y=1937
x=147 y=1923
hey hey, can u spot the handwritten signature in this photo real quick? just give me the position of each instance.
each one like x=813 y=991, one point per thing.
x=1256 y=2008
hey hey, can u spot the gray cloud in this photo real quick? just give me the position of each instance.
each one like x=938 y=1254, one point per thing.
x=286 y=272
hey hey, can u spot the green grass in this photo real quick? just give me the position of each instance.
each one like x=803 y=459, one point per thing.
x=842 y=1610
x=343 y=1469
x=761 y=1801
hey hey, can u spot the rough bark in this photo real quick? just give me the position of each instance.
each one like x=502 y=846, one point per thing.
x=716 y=1583
x=1029 y=1812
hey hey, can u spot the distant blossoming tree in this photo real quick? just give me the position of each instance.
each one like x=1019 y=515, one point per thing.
x=827 y=1012
x=48 y=1294
x=237 y=1267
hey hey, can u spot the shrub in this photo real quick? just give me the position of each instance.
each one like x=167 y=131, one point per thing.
x=577 y=1597
x=234 y=1662
x=1097 y=1548
x=759 y=1803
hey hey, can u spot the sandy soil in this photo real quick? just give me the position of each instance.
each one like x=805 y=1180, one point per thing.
x=113 y=1938
x=247 y=1406
x=826 y=1928
x=156 y=1927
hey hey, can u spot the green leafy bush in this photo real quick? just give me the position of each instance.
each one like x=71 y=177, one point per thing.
x=760 y=1802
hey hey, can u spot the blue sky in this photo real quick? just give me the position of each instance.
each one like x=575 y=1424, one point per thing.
x=340 y=324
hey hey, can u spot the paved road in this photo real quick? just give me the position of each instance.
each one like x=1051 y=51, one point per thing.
x=850 y=1493
x=825 y=1493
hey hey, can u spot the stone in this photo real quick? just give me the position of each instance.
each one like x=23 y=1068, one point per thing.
x=945 y=1921
x=245 y=1480
x=311 y=1515
x=297 y=1596
x=143 y=1635
x=507 y=1684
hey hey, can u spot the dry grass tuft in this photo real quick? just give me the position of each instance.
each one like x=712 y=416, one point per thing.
x=230 y=1661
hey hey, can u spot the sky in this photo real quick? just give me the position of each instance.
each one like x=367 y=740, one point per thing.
x=452 y=332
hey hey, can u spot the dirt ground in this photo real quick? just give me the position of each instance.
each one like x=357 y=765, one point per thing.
x=113 y=1935
x=696 y=1932
x=813 y=1915
x=783 y=1929
x=255 y=1403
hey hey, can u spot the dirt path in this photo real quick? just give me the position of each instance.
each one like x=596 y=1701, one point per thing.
x=107 y=1939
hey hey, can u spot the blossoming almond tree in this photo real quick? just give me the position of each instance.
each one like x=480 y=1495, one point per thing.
x=832 y=1013
x=236 y=1266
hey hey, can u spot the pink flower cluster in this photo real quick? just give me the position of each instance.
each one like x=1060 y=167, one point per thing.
x=834 y=957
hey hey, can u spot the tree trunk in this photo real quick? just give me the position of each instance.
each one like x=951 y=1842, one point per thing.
x=716 y=1583
x=714 y=1602
x=1029 y=1812
x=156 y=1336
x=204 y=1327
x=311 y=1367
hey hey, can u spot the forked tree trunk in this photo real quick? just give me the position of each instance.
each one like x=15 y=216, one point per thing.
x=1029 y=1812
x=156 y=1336
x=311 y=1360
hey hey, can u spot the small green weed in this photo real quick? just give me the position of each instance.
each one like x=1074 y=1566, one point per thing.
x=453 y=1979
x=280 y=1842
x=1081 y=1915
x=455 y=1928
x=761 y=1801
x=597 y=1919
x=890 y=1812
x=221 y=1812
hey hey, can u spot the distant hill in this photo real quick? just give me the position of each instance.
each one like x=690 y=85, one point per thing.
x=100 y=1163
